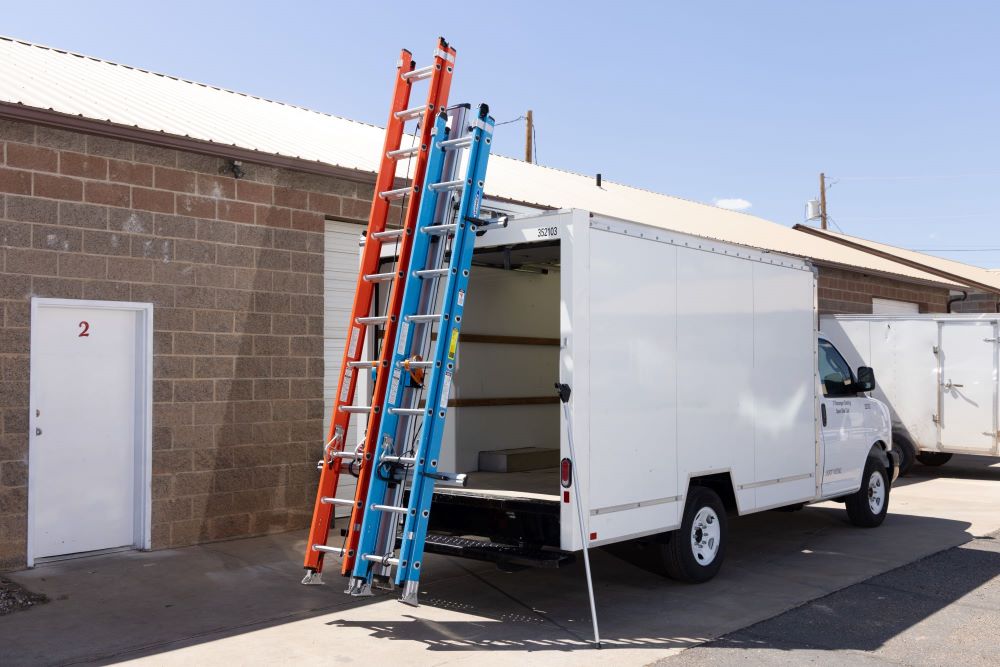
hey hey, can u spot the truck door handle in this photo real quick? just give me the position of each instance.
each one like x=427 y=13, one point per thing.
x=822 y=412
x=950 y=385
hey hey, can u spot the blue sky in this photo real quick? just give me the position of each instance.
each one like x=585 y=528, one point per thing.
x=897 y=101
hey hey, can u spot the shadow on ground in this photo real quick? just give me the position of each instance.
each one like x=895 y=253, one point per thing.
x=940 y=610
x=116 y=607
x=982 y=468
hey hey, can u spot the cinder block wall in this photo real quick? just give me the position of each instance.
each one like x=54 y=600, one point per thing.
x=234 y=269
x=851 y=292
x=978 y=303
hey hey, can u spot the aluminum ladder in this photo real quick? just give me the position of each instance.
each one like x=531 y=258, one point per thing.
x=408 y=441
x=439 y=73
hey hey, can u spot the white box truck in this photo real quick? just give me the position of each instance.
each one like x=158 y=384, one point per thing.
x=938 y=374
x=701 y=387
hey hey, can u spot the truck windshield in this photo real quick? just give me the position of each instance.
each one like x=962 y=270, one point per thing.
x=834 y=371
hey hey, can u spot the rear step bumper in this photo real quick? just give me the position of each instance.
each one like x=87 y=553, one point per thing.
x=501 y=554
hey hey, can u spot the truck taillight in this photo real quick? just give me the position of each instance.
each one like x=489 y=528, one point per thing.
x=566 y=473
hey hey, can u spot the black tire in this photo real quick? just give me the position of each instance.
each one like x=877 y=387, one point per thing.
x=681 y=559
x=862 y=509
x=907 y=453
x=933 y=459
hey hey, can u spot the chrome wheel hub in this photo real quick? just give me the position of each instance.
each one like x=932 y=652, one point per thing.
x=705 y=536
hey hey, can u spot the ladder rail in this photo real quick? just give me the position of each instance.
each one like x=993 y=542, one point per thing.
x=365 y=526
x=375 y=537
x=446 y=348
x=323 y=513
x=378 y=216
x=398 y=426
x=440 y=86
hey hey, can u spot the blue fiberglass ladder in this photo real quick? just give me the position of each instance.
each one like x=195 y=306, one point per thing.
x=409 y=438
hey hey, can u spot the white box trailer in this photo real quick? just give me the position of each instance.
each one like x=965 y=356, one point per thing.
x=938 y=374
x=693 y=368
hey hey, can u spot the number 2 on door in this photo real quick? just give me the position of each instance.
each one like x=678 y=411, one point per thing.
x=84 y=329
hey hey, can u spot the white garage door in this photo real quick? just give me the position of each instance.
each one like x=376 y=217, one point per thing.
x=894 y=307
x=342 y=258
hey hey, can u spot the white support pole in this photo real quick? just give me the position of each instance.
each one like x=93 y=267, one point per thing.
x=564 y=392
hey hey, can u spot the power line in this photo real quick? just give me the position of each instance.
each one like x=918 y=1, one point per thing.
x=955 y=249
x=920 y=177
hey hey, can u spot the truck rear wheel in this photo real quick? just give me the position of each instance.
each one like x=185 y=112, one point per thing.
x=868 y=506
x=694 y=552
x=933 y=458
x=907 y=453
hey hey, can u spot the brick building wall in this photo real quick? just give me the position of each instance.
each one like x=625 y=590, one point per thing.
x=851 y=292
x=234 y=268
x=978 y=303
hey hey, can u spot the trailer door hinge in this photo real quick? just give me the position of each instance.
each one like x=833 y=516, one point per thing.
x=934 y=418
x=989 y=340
x=935 y=349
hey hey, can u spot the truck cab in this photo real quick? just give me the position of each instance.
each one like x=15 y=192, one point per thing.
x=852 y=424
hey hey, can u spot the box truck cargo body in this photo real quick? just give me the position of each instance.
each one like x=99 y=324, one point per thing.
x=693 y=368
x=938 y=374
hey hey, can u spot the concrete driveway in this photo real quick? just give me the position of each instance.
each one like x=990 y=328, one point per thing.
x=240 y=602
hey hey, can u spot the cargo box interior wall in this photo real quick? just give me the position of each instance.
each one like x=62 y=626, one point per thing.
x=503 y=425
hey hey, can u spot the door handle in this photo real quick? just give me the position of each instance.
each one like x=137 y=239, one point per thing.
x=822 y=412
x=950 y=385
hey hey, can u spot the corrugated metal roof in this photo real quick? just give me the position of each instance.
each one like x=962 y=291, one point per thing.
x=963 y=273
x=40 y=77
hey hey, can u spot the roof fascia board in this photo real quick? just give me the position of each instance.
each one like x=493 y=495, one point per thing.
x=947 y=275
x=111 y=130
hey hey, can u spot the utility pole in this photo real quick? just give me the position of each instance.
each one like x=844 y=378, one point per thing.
x=822 y=201
x=529 y=131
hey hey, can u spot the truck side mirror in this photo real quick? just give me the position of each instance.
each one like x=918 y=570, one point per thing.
x=866 y=378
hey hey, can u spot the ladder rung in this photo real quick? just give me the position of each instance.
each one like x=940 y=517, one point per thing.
x=430 y=317
x=407 y=411
x=448 y=185
x=380 y=277
x=375 y=319
x=418 y=74
x=405 y=460
x=454 y=144
x=398 y=193
x=390 y=508
x=416 y=364
x=364 y=363
x=372 y=558
x=439 y=229
x=329 y=550
x=350 y=456
x=389 y=233
x=403 y=152
x=407 y=114
x=344 y=502
x=355 y=409
x=426 y=273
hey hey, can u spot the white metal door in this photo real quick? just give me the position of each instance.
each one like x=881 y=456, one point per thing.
x=968 y=386
x=88 y=453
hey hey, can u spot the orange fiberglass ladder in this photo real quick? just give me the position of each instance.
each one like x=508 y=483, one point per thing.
x=332 y=465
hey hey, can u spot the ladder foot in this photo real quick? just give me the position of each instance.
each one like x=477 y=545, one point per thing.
x=410 y=593
x=360 y=587
x=313 y=578
x=383 y=582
